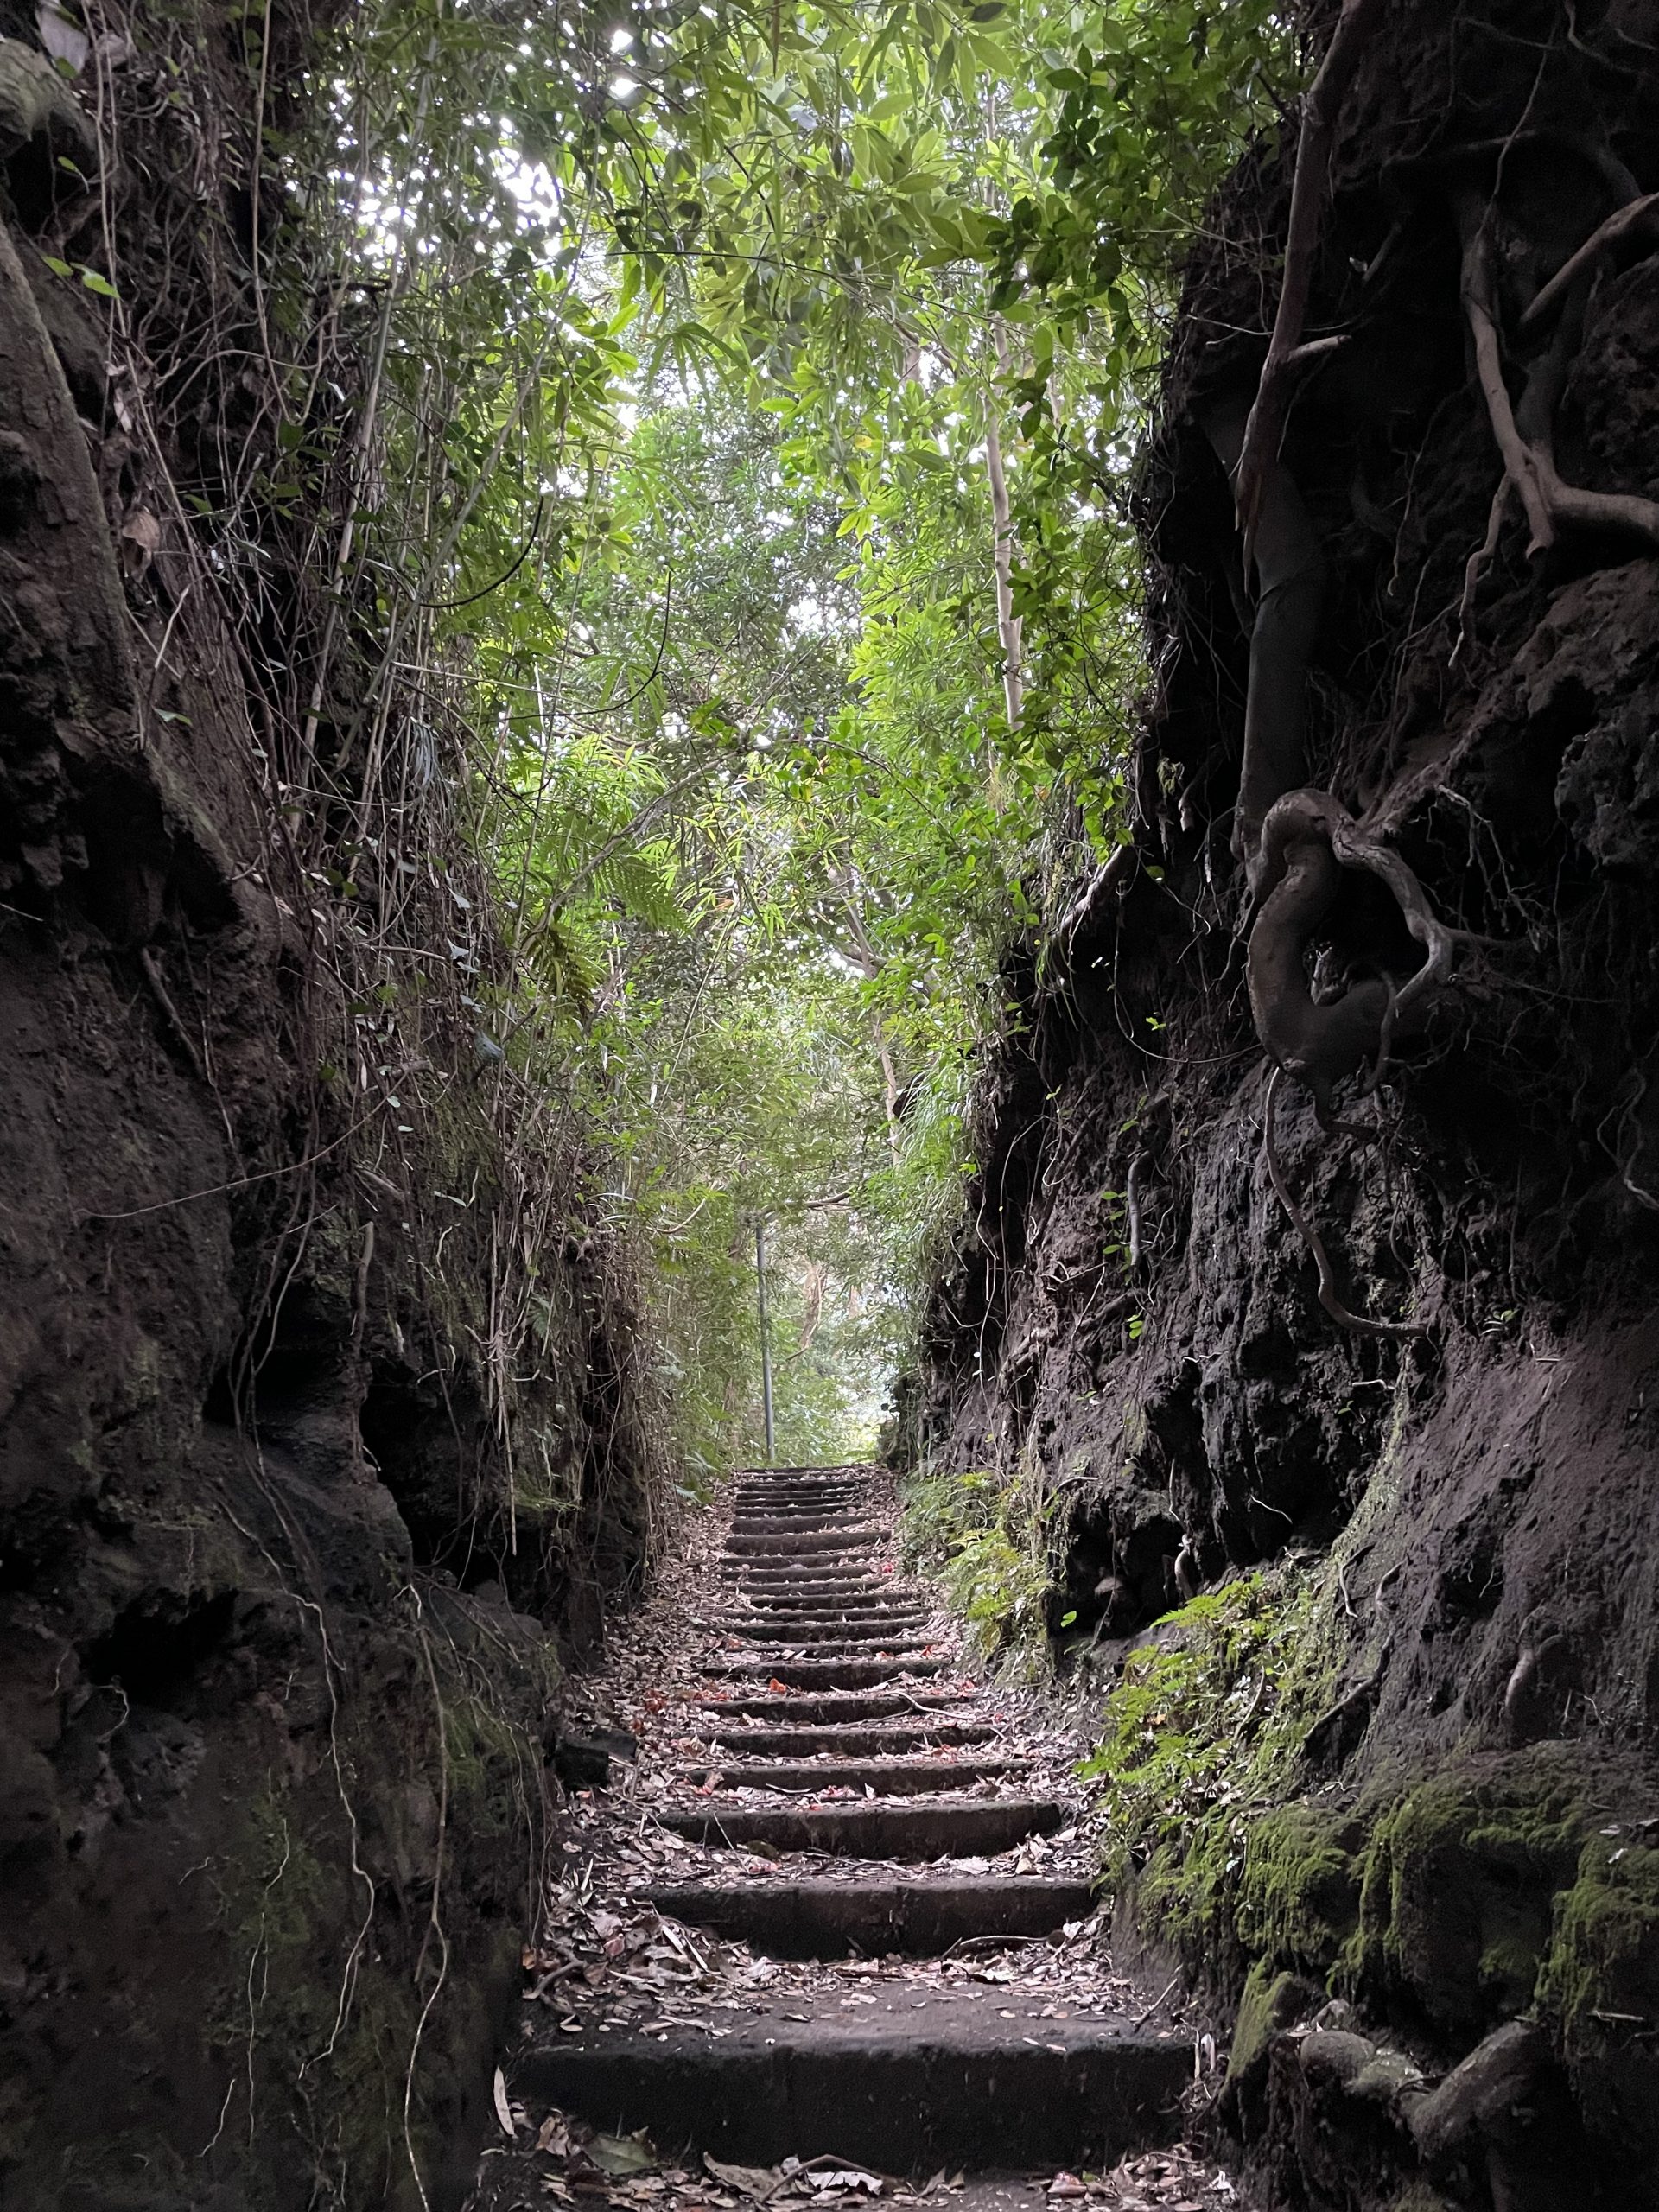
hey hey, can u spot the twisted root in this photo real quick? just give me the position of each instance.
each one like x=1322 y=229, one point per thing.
x=1529 y=464
x=1308 y=838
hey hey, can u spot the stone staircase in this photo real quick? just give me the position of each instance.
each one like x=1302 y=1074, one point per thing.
x=833 y=1719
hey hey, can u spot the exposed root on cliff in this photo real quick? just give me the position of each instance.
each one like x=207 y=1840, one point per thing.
x=1307 y=839
x=1529 y=462
x=1330 y=1297
x=1259 y=453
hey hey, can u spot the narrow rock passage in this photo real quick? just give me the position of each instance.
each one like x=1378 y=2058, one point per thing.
x=835 y=1914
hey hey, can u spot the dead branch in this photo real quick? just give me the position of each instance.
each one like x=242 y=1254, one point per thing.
x=1307 y=200
x=1330 y=1297
x=1092 y=898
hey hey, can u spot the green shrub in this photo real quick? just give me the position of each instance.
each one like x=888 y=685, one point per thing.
x=987 y=1543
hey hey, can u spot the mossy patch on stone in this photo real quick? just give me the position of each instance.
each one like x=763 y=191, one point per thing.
x=1599 y=1992
x=1271 y=2003
x=1298 y=1889
x=1460 y=1871
x=1603 y=1966
x=1204 y=1727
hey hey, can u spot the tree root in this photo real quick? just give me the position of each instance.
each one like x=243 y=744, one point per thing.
x=1290 y=587
x=1307 y=200
x=1635 y=216
x=1530 y=466
x=1307 y=839
x=1330 y=1297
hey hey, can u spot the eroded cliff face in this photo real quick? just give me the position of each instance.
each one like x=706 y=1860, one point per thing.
x=321 y=1444
x=1440 y=1804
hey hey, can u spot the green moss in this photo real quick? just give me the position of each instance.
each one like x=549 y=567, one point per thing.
x=1460 y=1874
x=1271 y=2003
x=1203 y=1726
x=1298 y=1901
x=1604 y=1951
x=1442 y=1894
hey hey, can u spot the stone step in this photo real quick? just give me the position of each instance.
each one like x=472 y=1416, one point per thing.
x=813 y=1509
x=863 y=1468
x=798 y=1493
x=925 y=1828
x=920 y=1918
x=911 y=1643
x=853 y=1742
x=888 y=1777
x=825 y=1674
x=837 y=1628
x=827 y=1712
x=886 y=1596
x=768 y=1525
x=791 y=1582
x=849 y=1566
x=814 y=1586
x=786 y=1507
x=851 y=1563
x=866 y=1604
x=785 y=1544
x=911 y=1628
x=846 y=1609
x=779 y=1514
x=901 y=2088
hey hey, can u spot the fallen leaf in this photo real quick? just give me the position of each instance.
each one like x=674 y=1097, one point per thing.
x=623 y=2154
x=63 y=40
x=503 y=2109
x=758 y=2182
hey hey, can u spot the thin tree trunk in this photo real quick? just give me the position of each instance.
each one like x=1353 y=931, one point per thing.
x=867 y=957
x=1009 y=626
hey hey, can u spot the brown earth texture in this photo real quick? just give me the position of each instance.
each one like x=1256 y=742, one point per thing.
x=1400 y=1539
x=321 y=1450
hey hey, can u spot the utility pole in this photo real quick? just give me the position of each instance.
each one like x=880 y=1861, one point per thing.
x=765 y=1332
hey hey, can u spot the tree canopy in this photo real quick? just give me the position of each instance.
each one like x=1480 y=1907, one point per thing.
x=758 y=395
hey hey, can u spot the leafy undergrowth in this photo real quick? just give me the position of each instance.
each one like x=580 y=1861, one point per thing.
x=986 y=1542
x=1182 y=1730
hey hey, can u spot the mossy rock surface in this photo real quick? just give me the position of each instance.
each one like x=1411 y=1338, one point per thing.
x=1460 y=1873
x=1299 y=1890
x=1599 y=1991
x=1271 y=2003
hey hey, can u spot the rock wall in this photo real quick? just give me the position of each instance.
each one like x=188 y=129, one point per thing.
x=1413 y=1568
x=324 y=1443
